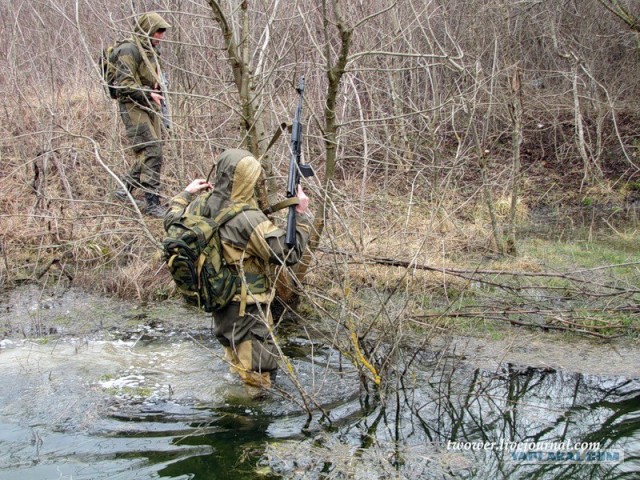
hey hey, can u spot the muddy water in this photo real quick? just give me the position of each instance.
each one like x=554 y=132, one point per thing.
x=91 y=388
x=98 y=409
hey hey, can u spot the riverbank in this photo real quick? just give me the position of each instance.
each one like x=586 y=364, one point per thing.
x=32 y=313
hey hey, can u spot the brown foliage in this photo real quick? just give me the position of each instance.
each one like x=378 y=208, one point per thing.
x=421 y=81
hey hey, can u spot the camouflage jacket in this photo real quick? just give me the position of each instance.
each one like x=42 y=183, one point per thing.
x=137 y=76
x=250 y=241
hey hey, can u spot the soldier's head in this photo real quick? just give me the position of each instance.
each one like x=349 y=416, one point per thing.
x=237 y=173
x=151 y=26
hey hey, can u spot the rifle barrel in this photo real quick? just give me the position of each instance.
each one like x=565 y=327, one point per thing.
x=294 y=175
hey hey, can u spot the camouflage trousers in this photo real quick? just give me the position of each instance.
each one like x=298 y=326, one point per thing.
x=249 y=347
x=144 y=133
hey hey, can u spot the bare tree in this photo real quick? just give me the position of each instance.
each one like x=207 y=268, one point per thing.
x=417 y=126
x=623 y=12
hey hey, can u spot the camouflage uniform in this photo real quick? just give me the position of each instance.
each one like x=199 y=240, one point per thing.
x=137 y=74
x=250 y=241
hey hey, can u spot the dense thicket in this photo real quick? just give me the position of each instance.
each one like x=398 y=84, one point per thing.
x=435 y=127
x=455 y=103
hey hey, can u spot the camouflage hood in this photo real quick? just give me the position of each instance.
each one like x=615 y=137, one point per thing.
x=237 y=173
x=147 y=24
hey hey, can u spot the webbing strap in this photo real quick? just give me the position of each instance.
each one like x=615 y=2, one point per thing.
x=228 y=213
x=289 y=202
x=224 y=216
x=199 y=266
x=243 y=299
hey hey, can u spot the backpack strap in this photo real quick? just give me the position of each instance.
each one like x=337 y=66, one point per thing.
x=223 y=217
x=228 y=213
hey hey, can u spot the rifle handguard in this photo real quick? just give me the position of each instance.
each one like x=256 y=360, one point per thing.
x=289 y=202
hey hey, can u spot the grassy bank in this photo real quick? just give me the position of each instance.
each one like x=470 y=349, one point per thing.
x=409 y=251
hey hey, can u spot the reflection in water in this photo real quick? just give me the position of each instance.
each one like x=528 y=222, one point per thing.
x=434 y=418
x=457 y=406
x=115 y=410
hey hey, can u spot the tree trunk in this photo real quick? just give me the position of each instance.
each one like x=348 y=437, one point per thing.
x=515 y=109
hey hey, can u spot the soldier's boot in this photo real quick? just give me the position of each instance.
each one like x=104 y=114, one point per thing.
x=153 y=207
x=245 y=370
x=121 y=194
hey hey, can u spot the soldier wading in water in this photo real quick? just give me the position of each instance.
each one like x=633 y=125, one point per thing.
x=250 y=241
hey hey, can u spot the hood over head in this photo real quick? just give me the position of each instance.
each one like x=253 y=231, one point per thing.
x=149 y=23
x=237 y=173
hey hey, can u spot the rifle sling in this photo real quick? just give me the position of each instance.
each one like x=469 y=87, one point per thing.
x=289 y=202
x=281 y=128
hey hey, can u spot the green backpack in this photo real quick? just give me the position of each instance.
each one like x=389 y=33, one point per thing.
x=193 y=253
x=107 y=66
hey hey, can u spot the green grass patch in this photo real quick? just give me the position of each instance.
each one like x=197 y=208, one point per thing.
x=584 y=286
x=583 y=254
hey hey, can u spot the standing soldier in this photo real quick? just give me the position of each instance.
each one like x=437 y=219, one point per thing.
x=138 y=89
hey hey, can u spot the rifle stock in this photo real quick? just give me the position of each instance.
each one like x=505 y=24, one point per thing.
x=296 y=169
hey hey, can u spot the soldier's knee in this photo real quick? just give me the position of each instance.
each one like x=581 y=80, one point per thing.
x=142 y=138
x=154 y=151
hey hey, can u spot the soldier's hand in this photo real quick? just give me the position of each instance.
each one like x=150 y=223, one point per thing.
x=303 y=206
x=157 y=98
x=198 y=185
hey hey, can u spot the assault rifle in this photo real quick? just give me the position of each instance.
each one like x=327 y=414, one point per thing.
x=164 y=105
x=295 y=167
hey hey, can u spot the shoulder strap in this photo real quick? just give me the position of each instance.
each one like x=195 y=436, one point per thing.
x=231 y=211
x=289 y=202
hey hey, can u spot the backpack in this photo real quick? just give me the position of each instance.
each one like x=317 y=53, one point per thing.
x=107 y=66
x=193 y=254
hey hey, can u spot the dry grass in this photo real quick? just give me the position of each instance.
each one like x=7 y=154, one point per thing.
x=58 y=219
x=56 y=204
